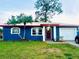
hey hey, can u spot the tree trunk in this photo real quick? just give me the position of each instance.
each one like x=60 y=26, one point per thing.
x=45 y=14
x=45 y=17
x=24 y=33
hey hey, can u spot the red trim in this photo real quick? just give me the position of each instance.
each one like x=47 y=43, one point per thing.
x=40 y=25
x=49 y=24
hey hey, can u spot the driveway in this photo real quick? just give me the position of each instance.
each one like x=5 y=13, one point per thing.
x=69 y=42
x=73 y=43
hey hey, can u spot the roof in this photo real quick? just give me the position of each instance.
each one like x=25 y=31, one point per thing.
x=40 y=24
x=17 y=25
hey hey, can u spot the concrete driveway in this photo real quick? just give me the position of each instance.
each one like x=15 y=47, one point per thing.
x=68 y=42
x=72 y=43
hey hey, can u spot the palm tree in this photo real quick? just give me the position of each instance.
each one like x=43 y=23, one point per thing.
x=20 y=19
x=13 y=20
x=24 y=19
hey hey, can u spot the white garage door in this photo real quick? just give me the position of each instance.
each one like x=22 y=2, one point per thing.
x=68 y=33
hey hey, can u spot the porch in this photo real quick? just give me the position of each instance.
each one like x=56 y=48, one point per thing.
x=49 y=33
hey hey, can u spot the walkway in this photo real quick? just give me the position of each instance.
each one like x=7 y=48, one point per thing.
x=66 y=42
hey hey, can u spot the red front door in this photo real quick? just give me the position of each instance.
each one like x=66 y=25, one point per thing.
x=48 y=34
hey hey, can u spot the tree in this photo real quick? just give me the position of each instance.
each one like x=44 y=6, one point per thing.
x=24 y=19
x=13 y=21
x=1 y=30
x=47 y=8
x=20 y=19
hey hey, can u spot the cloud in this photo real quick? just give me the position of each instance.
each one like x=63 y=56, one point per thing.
x=68 y=19
x=5 y=15
x=62 y=18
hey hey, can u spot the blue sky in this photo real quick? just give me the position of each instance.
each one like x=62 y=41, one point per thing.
x=15 y=7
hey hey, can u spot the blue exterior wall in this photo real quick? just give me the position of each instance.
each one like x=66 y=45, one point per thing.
x=28 y=35
x=52 y=34
x=57 y=33
x=8 y=36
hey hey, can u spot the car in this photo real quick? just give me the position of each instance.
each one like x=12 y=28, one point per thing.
x=77 y=39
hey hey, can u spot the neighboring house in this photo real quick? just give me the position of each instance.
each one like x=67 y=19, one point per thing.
x=42 y=32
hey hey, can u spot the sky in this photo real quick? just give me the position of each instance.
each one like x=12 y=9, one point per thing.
x=8 y=8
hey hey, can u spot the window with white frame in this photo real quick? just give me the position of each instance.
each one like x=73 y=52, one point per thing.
x=15 y=30
x=36 y=31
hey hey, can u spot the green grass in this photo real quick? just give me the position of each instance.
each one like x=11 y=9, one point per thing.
x=37 y=50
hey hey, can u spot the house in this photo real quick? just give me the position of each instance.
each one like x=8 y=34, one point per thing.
x=41 y=32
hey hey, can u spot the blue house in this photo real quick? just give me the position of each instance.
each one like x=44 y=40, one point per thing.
x=41 y=32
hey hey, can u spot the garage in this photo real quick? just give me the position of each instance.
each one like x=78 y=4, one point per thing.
x=68 y=33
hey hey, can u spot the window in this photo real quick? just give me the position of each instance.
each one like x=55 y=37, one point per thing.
x=40 y=31
x=15 y=30
x=36 y=31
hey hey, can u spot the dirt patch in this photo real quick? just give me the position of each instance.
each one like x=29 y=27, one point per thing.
x=50 y=50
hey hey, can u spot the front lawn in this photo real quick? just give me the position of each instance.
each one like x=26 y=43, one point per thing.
x=37 y=50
